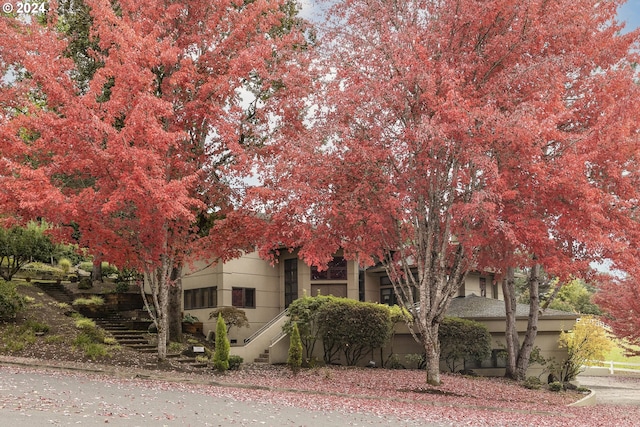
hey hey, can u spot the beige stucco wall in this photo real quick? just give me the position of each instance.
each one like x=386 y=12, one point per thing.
x=250 y=271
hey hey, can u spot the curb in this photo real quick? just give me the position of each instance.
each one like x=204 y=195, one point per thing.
x=588 y=400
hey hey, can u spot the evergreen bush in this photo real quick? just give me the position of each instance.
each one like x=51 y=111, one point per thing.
x=295 y=350
x=235 y=362
x=221 y=353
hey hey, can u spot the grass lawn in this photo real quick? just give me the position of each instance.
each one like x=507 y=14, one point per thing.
x=617 y=355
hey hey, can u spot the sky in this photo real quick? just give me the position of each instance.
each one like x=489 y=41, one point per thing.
x=629 y=12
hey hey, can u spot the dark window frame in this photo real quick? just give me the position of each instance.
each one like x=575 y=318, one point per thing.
x=243 y=297
x=198 y=298
x=336 y=270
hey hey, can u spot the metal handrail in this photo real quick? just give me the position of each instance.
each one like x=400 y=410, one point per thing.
x=266 y=326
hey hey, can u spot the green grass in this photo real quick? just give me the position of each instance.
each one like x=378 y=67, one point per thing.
x=617 y=355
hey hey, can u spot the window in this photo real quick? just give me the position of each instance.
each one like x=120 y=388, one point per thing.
x=498 y=359
x=290 y=281
x=483 y=287
x=336 y=270
x=200 y=298
x=388 y=294
x=243 y=297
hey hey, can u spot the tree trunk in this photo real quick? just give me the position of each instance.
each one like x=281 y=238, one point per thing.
x=511 y=331
x=157 y=281
x=175 y=305
x=163 y=320
x=432 y=353
x=96 y=271
x=532 y=324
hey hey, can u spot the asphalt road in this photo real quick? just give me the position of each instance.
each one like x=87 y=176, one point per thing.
x=44 y=398
x=613 y=390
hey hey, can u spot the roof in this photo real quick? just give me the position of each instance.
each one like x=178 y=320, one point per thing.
x=475 y=307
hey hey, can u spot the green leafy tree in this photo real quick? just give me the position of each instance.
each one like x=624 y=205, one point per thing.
x=295 y=350
x=463 y=340
x=574 y=296
x=221 y=353
x=587 y=341
x=20 y=245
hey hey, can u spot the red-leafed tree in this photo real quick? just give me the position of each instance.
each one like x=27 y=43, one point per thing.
x=457 y=135
x=136 y=129
x=618 y=296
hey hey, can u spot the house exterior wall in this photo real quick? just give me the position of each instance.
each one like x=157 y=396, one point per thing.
x=404 y=347
x=248 y=272
x=268 y=282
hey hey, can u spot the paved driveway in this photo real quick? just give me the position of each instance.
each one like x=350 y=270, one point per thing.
x=613 y=390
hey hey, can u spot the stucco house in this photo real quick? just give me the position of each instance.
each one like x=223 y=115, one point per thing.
x=264 y=291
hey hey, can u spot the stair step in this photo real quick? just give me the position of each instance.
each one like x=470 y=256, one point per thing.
x=143 y=348
x=126 y=333
x=132 y=341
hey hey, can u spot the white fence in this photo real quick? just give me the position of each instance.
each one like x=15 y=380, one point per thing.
x=611 y=365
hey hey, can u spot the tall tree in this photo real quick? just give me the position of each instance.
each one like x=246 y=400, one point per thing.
x=459 y=134
x=20 y=245
x=619 y=298
x=155 y=135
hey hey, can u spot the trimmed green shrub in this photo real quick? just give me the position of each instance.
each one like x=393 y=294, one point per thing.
x=345 y=326
x=532 y=383
x=463 y=340
x=556 y=386
x=122 y=287
x=393 y=362
x=352 y=328
x=304 y=313
x=295 y=350
x=221 y=353
x=11 y=302
x=235 y=362
x=416 y=361
x=85 y=283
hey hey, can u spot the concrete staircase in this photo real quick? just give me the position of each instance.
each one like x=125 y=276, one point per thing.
x=263 y=357
x=137 y=340
x=128 y=333
x=56 y=291
x=134 y=339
